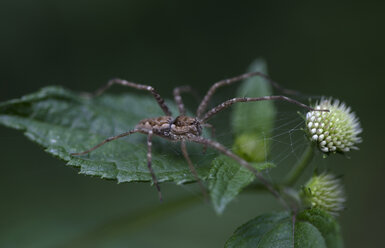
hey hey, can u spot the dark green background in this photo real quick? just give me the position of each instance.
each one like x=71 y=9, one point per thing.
x=333 y=48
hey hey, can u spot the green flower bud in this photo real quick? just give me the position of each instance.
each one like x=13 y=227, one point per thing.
x=324 y=191
x=250 y=147
x=336 y=130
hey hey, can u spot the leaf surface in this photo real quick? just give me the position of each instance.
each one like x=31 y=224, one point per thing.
x=253 y=122
x=313 y=228
x=64 y=122
x=255 y=117
x=227 y=179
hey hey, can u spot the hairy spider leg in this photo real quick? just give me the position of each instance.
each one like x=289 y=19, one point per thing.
x=149 y=158
x=157 y=97
x=192 y=168
x=230 y=102
x=242 y=162
x=202 y=107
x=178 y=99
x=107 y=140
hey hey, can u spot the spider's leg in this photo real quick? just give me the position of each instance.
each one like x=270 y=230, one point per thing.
x=211 y=91
x=178 y=99
x=225 y=151
x=241 y=161
x=157 y=97
x=106 y=140
x=149 y=158
x=230 y=102
x=192 y=168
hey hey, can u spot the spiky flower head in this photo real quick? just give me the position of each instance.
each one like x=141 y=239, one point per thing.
x=336 y=130
x=326 y=192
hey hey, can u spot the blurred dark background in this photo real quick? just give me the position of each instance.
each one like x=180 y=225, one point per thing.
x=333 y=48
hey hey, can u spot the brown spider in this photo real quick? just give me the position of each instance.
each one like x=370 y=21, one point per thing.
x=186 y=128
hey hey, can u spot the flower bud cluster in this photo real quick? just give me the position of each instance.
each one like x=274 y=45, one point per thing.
x=336 y=130
x=324 y=191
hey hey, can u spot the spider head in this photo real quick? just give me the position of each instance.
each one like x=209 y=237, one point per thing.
x=185 y=125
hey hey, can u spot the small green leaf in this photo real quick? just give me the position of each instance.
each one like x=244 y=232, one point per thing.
x=255 y=119
x=64 y=122
x=313 y=228
x=227 y=178
x=251 y=122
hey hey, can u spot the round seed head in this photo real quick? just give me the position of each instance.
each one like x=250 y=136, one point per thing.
x=336 y=130
x=326 y=192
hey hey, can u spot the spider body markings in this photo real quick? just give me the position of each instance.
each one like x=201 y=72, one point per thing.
x=186 y=128
x=175 y=129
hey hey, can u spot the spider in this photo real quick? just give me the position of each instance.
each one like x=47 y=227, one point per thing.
x=185 y=128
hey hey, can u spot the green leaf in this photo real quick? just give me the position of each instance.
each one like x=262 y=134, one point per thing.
x=255 y=117
x=325 y=223
x=227 y=178
x=253 y=122
x=64 y=122
x=313 y=228
x=251 y=233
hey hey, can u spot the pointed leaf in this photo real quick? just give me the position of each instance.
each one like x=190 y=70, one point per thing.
x=255 y=117
x=253 y=122
x=63 y=122
x=227 y=178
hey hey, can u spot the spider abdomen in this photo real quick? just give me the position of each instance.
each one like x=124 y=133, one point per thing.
x=180 y=128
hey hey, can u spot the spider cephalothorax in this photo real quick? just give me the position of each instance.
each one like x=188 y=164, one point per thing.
x=185 y=128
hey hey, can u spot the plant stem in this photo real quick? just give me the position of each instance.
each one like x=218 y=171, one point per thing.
x=297 y=170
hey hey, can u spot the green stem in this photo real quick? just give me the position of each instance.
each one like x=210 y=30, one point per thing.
x=124 y=225
x=297 y=170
